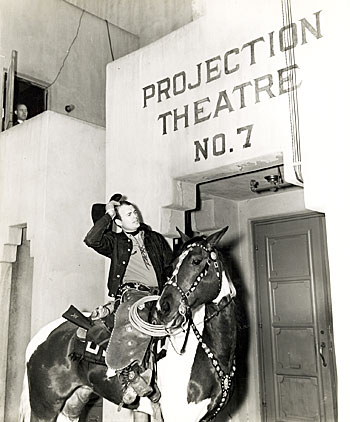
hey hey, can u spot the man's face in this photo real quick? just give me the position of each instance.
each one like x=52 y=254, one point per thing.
x=129 y=218
x=22 y=112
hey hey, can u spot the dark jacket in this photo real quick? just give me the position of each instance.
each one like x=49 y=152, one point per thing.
x=118 y=247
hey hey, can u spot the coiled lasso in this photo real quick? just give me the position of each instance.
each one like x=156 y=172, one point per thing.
x=139 y=324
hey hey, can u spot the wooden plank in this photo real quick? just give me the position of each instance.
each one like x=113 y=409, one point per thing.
x=10 y=84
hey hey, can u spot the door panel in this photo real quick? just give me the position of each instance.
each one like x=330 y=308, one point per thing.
x=302 y=390
x=288 y=256
x=292 y=302
x=295 y=319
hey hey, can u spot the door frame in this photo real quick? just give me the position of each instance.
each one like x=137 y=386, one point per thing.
x=328 y=303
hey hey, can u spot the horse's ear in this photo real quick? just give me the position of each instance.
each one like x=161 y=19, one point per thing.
x=215 y=237
x=184 y=236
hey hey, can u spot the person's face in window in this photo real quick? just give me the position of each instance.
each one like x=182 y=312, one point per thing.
x=129 y=218
x=22 y=112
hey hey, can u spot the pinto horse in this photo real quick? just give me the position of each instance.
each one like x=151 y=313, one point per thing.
x=195 y=378
x=198 y=298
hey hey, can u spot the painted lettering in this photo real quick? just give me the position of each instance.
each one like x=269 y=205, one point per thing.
x=219 y=144
x=251 y=44
x=163 y=88
x=249 y=129
x=203 y=149
x=164 y=121
x=147 y=96
x=199 y=78
x=226 y=103
x=291 y=39
x=213 y=72
x=178 y=117
x=266 y=88
x=290 y=79
x=200 y=110
x=231 y=61
x=241 y=90
x=272 y=48
x=182 y=77
x=315 y=32
x=259 y=89
x=226 y=63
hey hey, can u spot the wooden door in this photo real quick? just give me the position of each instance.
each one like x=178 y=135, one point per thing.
x=297 y=358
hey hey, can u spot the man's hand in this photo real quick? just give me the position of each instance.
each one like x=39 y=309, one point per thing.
x=110 y=208
x=100 y=312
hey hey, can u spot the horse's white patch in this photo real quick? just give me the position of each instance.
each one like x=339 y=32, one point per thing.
x=24 y=408
x=41 y=336
x=174 y=374
x=227 y=288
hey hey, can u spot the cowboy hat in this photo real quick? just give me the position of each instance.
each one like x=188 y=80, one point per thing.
x=99 y=210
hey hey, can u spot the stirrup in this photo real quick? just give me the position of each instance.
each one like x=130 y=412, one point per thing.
x=129 y=395
x=141 y=382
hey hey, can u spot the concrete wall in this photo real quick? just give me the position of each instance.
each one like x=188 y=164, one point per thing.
x=148 y=19
x=42 y=33
x=51 y=173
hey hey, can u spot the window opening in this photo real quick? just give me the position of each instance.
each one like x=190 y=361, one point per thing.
x=27 y=92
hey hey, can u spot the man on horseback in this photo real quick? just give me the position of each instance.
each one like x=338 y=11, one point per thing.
x=140 y=262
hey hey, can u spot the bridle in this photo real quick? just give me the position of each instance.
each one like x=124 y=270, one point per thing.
x=185 y=311
x=184 y=306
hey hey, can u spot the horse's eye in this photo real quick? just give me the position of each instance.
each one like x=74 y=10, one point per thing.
x=196 y=261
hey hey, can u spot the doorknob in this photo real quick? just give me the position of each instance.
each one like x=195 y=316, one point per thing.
x=322 y=346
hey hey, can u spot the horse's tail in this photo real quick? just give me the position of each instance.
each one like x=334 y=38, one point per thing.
x=24 y=410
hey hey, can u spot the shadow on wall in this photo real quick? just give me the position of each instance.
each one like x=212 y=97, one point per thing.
x=243 y=333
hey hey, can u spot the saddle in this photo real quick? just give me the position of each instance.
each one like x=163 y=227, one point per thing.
x=114 y=342
x=91 y=338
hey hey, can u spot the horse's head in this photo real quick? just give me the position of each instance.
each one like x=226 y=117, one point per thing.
x=196 y=279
